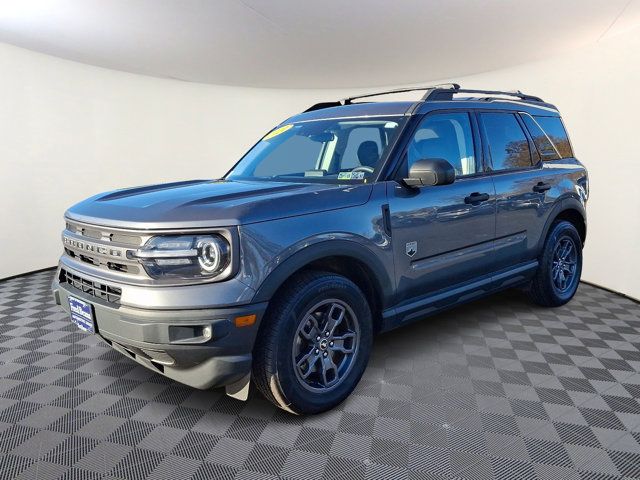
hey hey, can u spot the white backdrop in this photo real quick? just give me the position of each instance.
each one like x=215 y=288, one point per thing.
x=595 y=89
x=70 y=130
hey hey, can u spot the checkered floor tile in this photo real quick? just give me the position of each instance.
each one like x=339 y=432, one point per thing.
x=496 y=389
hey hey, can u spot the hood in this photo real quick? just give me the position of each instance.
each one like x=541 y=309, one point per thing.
x=213 y=203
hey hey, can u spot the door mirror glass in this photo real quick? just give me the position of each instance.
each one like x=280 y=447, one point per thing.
x=430 y=172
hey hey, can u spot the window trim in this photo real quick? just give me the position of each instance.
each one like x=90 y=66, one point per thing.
x=532 y=146
x=401 y=156
x=487 y=152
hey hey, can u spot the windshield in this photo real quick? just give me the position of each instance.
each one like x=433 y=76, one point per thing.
x=329 y=151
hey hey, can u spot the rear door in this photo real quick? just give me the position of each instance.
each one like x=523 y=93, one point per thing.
x=522 y=187
x=442 y=235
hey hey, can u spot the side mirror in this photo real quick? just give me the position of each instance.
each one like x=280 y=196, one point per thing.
x=430 y=172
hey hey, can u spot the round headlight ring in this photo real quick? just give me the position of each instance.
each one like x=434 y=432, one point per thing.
x=209 y=254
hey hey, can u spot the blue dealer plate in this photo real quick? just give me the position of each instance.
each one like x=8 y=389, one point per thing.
x=81 y=314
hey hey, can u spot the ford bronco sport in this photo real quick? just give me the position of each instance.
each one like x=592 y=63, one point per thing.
x=347 y=220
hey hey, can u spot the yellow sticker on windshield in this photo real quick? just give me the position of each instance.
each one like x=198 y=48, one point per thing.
x=277 y=131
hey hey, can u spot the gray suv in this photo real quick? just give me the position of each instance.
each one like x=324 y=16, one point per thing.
x=344 y=221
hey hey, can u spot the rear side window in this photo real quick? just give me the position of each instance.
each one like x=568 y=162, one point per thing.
x=554 y=129
x=508 y=144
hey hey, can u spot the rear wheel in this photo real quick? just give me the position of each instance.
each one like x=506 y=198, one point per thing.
x=314 y=344
x=558 y=274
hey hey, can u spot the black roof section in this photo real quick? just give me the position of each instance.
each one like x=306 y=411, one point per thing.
x=433 y=93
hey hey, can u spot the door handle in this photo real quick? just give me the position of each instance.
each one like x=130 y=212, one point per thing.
x=476 y=197
x=541 y=187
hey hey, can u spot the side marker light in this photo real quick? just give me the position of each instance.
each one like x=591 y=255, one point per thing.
x=245 y=320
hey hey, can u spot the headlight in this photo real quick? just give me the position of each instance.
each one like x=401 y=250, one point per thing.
x=185 y=256
x=210 y=254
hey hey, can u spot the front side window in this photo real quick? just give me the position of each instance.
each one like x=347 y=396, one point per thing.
x=447 y=136
x=326 y=151
x=508 y=144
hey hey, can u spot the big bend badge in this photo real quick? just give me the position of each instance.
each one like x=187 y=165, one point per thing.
x=411 y=248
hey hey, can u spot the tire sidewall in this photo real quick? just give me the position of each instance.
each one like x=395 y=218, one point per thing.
x=300 y=398
x=561 y=230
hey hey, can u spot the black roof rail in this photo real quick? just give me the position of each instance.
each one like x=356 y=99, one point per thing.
x=440 y=93
x=433 y=93
x=321 y=105
x=349 y=100
x=446 y=86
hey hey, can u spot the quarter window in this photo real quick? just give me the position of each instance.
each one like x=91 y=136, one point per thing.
x=554 y=129
x=447 y=136
x=543 y=143
x=508 y=144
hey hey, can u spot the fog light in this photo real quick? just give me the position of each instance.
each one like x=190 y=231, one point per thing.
x=190 y=334
x=206 y=332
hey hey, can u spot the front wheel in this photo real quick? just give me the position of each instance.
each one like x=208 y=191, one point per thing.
x=314 y=344
x=558 y=274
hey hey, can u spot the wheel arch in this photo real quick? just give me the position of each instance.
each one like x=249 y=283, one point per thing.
x=344 y=257
x=571 y=210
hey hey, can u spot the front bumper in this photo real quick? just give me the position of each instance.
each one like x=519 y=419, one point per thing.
x=156 y=338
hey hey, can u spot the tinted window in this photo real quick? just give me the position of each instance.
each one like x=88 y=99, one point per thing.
x=544 y=145
x=447 y=136
x=508 y=144
x=323 y=150
x=355 y=154
x=297 y=155
x=554 y=129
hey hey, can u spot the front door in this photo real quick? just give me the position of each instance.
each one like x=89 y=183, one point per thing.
x=442 y=235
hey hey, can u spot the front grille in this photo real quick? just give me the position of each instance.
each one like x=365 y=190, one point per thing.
x=105 y=248
x=118 y=267
x=95 y=289
x=105 y=234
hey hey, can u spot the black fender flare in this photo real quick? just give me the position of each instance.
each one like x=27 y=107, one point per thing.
x=324 y=249
x=567 y=203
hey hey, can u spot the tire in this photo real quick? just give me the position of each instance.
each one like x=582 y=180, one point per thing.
x=546 y=288
x=289 y=335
